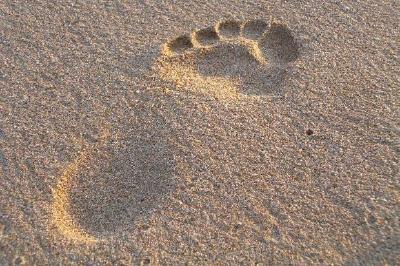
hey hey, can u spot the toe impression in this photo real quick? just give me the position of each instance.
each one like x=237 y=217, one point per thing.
x=279 y=44
x=178 y=45
x=207 y=36
x=229 y=29
x=254 y=29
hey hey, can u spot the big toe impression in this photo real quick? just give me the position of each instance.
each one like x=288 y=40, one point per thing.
x=279 y=45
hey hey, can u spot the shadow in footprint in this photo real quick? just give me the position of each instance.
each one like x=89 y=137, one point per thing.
x=237 y=63
x=125 y=185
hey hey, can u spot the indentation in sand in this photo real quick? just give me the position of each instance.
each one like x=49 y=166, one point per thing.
x=61 y=208
x=279 y=45
x=231 y=59
x=130 y=183
x=179 y=45
x=207 y=36
x=229 y=28
x=254 y=29
x=107 y=188
x=61 y=204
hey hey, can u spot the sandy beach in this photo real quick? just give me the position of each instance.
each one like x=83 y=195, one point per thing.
x=149 y=132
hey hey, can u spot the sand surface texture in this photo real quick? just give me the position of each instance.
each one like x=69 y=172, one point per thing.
x=199 y=132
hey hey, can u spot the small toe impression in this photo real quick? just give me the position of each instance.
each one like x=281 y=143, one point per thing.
x=279 y=44
x=254 y=29
x=229 y=29
x=207 y=36
x=180 y=44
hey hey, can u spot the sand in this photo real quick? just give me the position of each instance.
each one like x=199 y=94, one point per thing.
x=199 y=132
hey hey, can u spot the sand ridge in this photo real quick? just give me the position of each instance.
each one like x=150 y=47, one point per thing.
x=61 y=207
x=231 y=59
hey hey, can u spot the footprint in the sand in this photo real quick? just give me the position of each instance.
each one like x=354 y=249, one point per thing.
x=107 y=189
x=252 y=56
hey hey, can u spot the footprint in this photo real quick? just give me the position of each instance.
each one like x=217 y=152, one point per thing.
x=130 y=184
x=249 y=58
x=109 y=188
